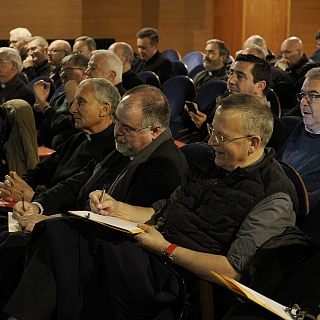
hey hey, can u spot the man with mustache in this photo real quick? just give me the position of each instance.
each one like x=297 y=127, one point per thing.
x=216 y=55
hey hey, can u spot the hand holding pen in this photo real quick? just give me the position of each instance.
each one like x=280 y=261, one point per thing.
x=102 y=195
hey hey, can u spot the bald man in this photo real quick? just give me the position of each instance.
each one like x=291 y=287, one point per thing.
x=124 y=51
x=294 y=61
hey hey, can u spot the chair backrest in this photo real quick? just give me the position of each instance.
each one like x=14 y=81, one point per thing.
x=274 y=101
x=172 y=54
x=46 y=79
x=178 y=89
x=23 y=77
x=149 y=77
x=230 y=59
x=297 y=88
x=209 y=92
x=303 y=197
x=193 y=59
x=195 y=70
x=60 y=89
x=192 y=151
x=179 y=68
x=315 y=55
x=291 y=122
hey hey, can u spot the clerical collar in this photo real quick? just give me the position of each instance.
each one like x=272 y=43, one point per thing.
x=310 y=130
x=210 y=73
x=88 y=137
x=3 y=85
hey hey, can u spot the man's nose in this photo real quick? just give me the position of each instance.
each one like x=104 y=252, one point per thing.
x=74 y=107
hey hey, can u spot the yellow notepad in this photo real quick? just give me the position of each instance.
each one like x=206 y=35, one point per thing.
x=112 y=222
x=254 y=296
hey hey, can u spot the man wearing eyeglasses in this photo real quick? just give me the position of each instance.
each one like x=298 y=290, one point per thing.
x=11 y=87
x=57 y=50
x=57 y=123
x=301 y=150
x=294 y=61
x=229 y=202
x=36 y=63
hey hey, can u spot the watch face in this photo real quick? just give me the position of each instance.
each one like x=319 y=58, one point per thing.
x=167 y=259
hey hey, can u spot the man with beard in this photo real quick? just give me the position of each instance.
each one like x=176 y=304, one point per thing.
x=216 y=55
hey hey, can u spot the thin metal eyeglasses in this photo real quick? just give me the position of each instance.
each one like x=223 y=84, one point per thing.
x=125 y=128
x=311 y=96
x=68 y=70
x=221 y=139
x=4 y=61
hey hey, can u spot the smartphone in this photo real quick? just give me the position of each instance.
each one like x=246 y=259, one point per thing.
x=191 y=106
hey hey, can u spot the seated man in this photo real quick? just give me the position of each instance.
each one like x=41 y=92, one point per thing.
x=57 y=50
x=248 y=74
x=84 y=45
x=11 y=87
x=230 y=202
x=107 y=65
x=150 y=59
x=215 y=60
x=294 y=61
x=19 y=38
x=93 y=119
x=301 y=148
x=36 y=63
x=125 y=53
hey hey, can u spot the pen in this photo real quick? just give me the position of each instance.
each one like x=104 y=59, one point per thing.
x=22 y=198
x=102 y=195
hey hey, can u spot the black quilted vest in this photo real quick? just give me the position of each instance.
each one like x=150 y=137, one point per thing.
x=213 y=203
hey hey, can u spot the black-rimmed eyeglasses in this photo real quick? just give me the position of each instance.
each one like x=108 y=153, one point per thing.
x=309 y=96
x=125 y=128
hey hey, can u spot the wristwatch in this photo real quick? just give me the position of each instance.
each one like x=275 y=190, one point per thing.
x=167 y=257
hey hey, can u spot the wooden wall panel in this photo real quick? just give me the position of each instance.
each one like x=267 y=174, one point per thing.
x=269 y=19
x=305 y=22
x=50 y=19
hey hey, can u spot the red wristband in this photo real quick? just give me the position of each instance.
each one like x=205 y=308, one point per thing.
x=171 y=248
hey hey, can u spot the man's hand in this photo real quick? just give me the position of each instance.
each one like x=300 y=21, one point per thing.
x=28 y=221
x=108 y=207
x=11 y=188
x=28 y=62
x=41 y=90
x=21 y=209
x=198 y=118
x=71 y=88
x=151 y=239
x=282 y=64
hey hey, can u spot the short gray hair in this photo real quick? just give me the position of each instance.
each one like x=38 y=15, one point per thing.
x=42 y=42
x=256 y=114
x=313 y=74
x=23 y=33
x=78 y=59
x=91 y=44
x=154 y=105
x=14 y=57
x=104 y=91
x=113 y=63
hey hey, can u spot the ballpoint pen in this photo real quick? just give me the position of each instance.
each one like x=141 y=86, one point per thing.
x=22 y=198
x=102 y=195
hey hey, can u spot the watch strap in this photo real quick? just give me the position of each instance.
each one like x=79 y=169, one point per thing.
x=171 y=248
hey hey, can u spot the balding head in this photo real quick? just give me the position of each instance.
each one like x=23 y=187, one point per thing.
x=292 y=50
x=124 y=51
x=257 y=40
x=255 y=50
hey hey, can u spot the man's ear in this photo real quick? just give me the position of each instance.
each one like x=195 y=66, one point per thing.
x=112 y=75
x=260 y=86
x=105 y=110
x=255 y=144
x=155 y=132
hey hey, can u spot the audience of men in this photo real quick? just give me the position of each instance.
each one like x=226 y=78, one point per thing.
x=57 y=50
x=58 y=124
x=124 y=51
x=19 y=38
x=316 y=54
x=107 y=65
x=94 y=102
x=215 y=60
x=294 y=61
x=196 y=238
x=150 y=59
x=11 y=87
x=36 y=64
x=301 y=149
x=248 y=74
x=281 y=83
x=85 y=45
